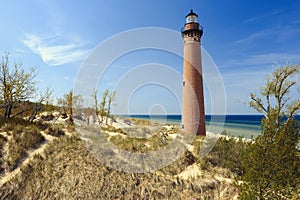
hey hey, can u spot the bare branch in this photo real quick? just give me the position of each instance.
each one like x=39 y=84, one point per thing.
x=257 y=104
x=16 y=85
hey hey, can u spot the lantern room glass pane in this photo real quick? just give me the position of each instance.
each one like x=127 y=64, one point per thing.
x=191 y=18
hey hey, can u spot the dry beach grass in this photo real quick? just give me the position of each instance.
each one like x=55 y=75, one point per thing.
x=65 y=169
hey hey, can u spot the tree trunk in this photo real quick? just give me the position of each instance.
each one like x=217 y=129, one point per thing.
x=32 y=116
x=107 y=115
x=98 y=118
x=71 y=115
x=8 y=109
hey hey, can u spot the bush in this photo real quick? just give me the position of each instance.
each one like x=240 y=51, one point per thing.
x=112 y=129
x=31 y=137
x=130 y=144
x=271 y=164
x=54 y=131
x=228 y=154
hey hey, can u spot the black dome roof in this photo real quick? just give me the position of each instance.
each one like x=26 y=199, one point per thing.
x=191 y=13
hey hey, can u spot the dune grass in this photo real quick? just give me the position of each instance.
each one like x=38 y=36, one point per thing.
x=68 y=171
x=22 y=139
x=3 y=141
x=138 y=144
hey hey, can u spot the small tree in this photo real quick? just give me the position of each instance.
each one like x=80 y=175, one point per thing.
x=103 y=103
x=272 y=163
x=96 y=108
x=40 y=104
x=68 y=102
x=111 y=97
x=104 y=109
x=16 y=85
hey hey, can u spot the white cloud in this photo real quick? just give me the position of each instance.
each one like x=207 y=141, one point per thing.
x=55 y=54
x=264 y=16
x=265 y=33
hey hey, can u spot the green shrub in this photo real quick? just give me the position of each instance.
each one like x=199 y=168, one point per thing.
x=129 y=144
x=112 y=129
x=228 y=154
x=272 y=169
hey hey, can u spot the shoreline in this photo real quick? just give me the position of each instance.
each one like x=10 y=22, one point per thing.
x=175 y=127
x=233 y=127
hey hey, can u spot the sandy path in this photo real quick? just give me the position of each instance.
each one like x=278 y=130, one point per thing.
x=9 y=175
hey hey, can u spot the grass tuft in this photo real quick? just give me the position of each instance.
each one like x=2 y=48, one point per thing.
x=22 y=139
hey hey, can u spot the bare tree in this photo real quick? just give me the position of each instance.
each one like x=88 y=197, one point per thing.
x=40 y=104
x=16 y=85
x=68 y=102
x=103 y=104
x=96 y=108
x=110 y=99
x=104 y=109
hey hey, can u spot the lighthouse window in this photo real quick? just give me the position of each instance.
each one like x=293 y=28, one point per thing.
x=191 y=18
x=183 y=83
x=182 y=126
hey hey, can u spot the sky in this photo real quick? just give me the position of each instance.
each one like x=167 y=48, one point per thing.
x=245 y=40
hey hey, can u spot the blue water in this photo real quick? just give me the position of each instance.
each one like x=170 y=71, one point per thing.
x=235 y=125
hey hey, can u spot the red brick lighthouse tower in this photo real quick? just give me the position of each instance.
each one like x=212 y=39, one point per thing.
x=193 y=114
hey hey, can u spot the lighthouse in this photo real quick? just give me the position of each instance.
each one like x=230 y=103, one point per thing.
x=193 y=113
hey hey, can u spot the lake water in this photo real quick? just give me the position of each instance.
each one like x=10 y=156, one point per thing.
x=235 y=125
